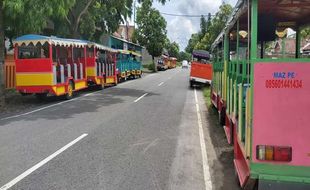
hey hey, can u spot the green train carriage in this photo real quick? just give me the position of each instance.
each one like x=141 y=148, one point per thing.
x=260 y=88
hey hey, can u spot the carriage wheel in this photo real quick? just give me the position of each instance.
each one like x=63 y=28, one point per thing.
x=41 y=96
x=70 y=92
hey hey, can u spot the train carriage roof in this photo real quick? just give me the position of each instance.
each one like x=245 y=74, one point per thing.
x=35 y=39
x=201 y=53
x=127 y=52
x=296 y=12
x=101 y=47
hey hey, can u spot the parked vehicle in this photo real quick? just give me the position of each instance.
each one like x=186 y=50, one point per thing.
x=58 y=66
x=50 y=65
x=161 y=66
x=184 y=64
x=173 y=62
x=201 y=68
x=101 y=65
x=263 y=97
x=128 y=64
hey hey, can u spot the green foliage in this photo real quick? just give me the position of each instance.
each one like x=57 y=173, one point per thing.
x=203 y=27
x=31 y=16
x=305 y=32
x=214 y=28
x=173 y=49
x=192 y=42
x=184 y=56
x=206 y=93
x=151 y=67
x=151 y=31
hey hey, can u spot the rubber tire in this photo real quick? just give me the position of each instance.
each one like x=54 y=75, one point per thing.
x=101 y=86
x=70 y=95
x=222 y=117
x=191 y=84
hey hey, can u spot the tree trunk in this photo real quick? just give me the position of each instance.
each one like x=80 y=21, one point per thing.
x=154 y=64
x=2 y=50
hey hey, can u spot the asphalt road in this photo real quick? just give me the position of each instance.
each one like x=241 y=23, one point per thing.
x=142 y=134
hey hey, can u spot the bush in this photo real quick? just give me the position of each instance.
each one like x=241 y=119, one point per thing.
x=151 y=67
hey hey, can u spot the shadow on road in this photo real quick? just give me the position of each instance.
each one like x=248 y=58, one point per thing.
x=80 y=104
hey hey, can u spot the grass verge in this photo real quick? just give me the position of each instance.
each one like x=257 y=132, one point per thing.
x=206 y=93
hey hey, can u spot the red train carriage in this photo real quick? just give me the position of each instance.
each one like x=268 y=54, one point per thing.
x=101 y=65
x=50 y=65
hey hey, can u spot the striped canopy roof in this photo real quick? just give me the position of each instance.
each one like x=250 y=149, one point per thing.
x=35 y=39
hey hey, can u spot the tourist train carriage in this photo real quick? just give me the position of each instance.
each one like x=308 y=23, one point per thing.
x=262 y=96
x=50 y=65
x=173 y=62
x=201 y=68
x=128 y=64
x=101 y=65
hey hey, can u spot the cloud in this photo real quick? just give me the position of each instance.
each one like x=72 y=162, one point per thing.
x=180 y=28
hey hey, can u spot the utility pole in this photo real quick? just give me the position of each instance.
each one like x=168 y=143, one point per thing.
x=134 y=14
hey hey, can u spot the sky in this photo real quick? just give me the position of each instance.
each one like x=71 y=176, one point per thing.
x=180 y=28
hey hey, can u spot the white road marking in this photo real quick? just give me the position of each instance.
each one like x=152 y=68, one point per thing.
x=161 y=83
x=38 y=165
x=141 y=97
x=169 y=78
x=57 y=104
x=34 y=111
x=206 y=170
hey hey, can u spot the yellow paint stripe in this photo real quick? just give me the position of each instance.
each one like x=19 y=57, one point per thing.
x=90 y=71
x=80 y=85
x=32 y=79
x=110 y=80
x=59 y=90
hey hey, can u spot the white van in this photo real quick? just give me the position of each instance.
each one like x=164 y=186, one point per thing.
x=184 y=64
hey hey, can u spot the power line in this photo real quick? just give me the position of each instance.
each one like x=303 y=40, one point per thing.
x=182 y=15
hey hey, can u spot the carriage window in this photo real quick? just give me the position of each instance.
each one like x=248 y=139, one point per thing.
x=33 y=51
x=78 y=53
x=282 y=46
x=282 y=36
x=305 y=42
x=90 y=52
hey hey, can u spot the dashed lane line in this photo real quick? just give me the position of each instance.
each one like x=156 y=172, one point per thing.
x=141 y=97
x=38 y=165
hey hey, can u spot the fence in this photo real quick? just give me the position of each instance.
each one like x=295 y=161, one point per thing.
x=9 y=72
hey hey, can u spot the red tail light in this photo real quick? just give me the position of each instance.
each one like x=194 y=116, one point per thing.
x=274 y=153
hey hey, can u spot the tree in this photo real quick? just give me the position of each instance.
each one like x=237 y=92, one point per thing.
x=151 y=29
x=184 y=56
x=305 y=32
x=173 y=49
x=25 y=16
x=192 y=42
x=1 y=53
x=214 y=28
x=203 y=27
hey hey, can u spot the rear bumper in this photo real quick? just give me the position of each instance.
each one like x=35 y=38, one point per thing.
x=200 y=80
x=264 y=184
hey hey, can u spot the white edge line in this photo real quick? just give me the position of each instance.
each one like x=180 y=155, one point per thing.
x=141 y=97
x=38 y=165
x=160 y=83
x=206 y=170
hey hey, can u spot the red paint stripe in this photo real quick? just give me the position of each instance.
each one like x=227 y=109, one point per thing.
x=33 y=65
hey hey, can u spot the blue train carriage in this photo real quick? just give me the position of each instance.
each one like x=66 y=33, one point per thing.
x=128 y=64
